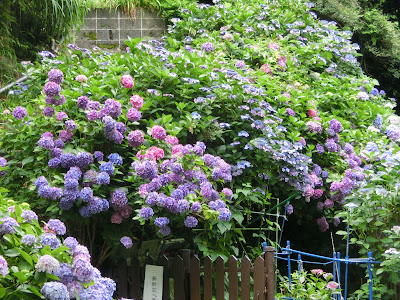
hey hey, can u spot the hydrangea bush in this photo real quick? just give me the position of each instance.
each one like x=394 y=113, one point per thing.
x=241 y=104
x=36 y=262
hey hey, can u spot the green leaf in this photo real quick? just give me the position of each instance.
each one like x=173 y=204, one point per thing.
x=27 y=160
x=224 y=226
x=12 y=252
x=26 y=256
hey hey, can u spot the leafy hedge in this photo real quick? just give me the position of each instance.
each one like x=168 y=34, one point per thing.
x=267 y=101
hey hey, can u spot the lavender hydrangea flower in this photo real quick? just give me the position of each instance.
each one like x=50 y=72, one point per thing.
x=165 y=230
x=82 y=268
x=108 y=168
x=3 y=266
x=7 y=225
x=28 y=239
x=126 y=241
x=56 y=225
x=118 y=199
x=47 y=263
x=3 y=163
x=49 y=239
x=29 y=216
x=64 y=273
x=207 y=47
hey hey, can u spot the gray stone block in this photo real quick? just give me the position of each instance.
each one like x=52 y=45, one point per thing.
x=127 y=24
x=91 y=14
x=154 y=33
x=89 y=24
x=107 y=24
x=132 y=15
x=129 y=33
x=148 y=14
x=105 y=13
x=85 y=44
x=107 y=35
x=153 y=24
x=87 y=35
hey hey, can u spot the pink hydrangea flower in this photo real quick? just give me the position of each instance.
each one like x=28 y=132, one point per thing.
x=158 y=132
x=332 y=285
x=154 y=153
x=116 y=218
x=172 y=140
x=266 y=68
x=81 y=78
x=127 y=81
x=312 y=113
x=136 y=101
x=317 y=272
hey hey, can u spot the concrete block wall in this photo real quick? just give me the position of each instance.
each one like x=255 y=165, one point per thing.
x=109 y=28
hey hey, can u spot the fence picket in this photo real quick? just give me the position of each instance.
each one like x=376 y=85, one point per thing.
x=166 y=275
x=233 y=278
x=245 y=278
x=259 y=278
x=195 y=278
x=269 y=261
x=179 y=278
x=135 y=291
x=220 y=278
x=208 y=278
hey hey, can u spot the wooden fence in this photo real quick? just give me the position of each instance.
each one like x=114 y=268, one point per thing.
x=186 y=278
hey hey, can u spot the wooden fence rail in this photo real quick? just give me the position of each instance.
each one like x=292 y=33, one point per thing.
x=184 y=277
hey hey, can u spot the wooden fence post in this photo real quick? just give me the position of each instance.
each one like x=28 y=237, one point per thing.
x=269 y=263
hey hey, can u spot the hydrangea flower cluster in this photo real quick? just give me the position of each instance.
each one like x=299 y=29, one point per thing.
x=192 y=192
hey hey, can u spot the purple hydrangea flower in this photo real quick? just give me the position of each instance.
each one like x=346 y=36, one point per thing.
x=165 y=230
x=103 y=178
x=133 y=115
x=82 y=269
x=146 y=212
x=107 y=167
x=118 y=199
x=161 y=221
x=135 y=138
x=116 y=159
x=82 y=102
x=196 y=206
x=52 y=89
x=64 y=273
x=56 y=76
x=48 y=111
x=191 y=222
x=19 y=113
x=323 y=224
x=224 y=214
x=49 y=239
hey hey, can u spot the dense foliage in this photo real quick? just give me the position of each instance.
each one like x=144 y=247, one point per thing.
x=26 y=27
x=202 y=133
x=375 y=26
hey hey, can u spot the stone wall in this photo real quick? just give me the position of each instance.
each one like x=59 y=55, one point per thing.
x=108 y=28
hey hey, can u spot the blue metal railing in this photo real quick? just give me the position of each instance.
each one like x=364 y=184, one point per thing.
x=335 y=260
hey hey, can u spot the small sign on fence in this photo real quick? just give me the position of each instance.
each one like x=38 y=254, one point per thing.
x=153 y=283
